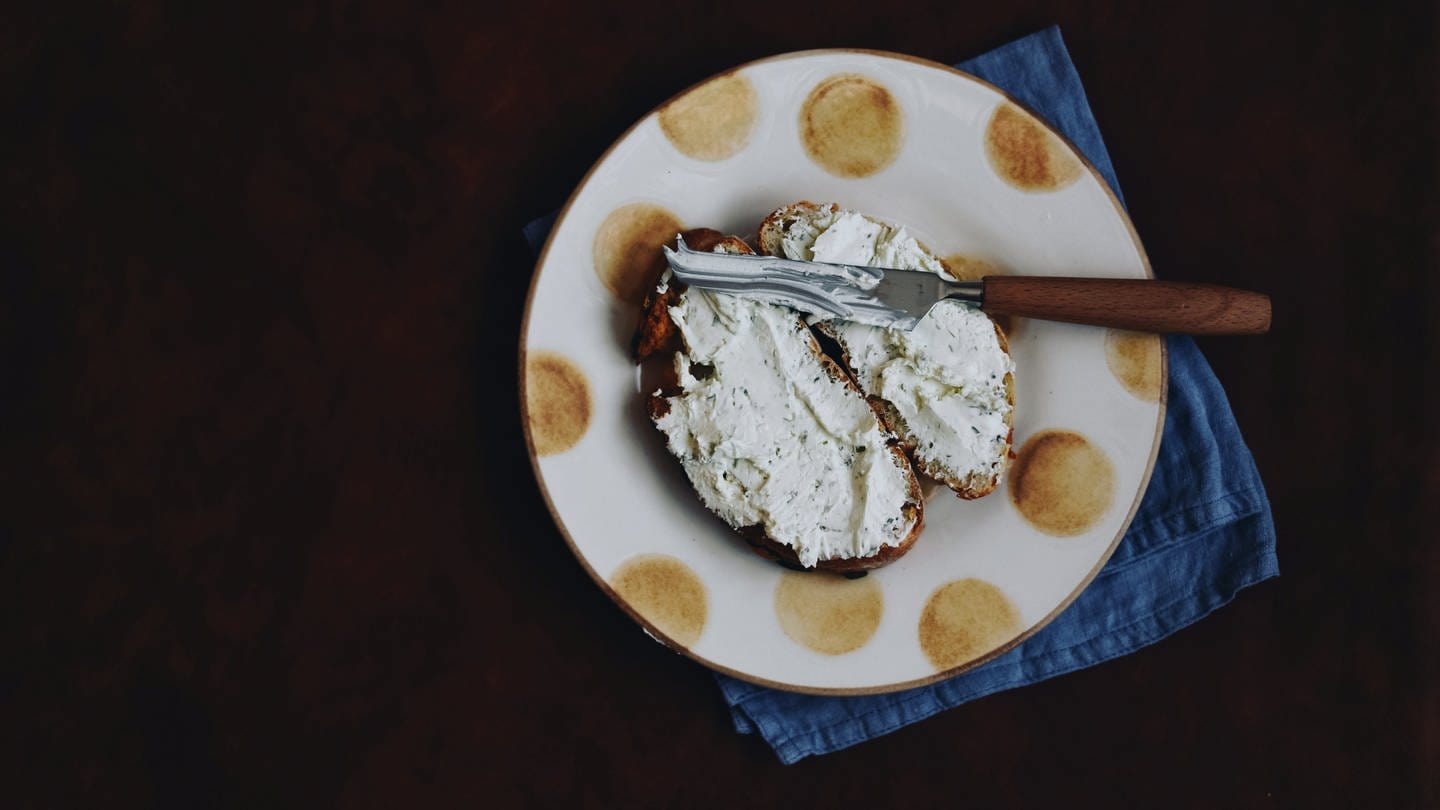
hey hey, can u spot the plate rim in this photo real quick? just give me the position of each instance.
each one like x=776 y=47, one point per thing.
x=653 y=631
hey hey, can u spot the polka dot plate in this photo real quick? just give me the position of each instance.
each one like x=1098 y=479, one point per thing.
x=976 y=178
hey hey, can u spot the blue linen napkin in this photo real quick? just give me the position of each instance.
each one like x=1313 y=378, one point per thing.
x=1203 y=530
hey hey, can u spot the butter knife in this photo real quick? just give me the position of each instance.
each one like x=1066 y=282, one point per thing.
x=898 y=299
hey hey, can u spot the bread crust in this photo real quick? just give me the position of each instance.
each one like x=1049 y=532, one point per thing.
x=974 y=485
x=656 y=340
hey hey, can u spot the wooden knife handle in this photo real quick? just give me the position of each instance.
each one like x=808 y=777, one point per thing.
x=1140 y=304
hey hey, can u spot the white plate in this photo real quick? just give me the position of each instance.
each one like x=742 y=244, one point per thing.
x=971 y=175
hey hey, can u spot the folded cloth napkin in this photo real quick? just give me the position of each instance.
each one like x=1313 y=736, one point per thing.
x=1203 y=530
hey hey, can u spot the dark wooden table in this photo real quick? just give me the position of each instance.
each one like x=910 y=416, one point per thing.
x=269 y=534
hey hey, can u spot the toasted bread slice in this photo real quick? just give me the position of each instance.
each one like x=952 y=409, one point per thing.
x=948 y=386
x=773 y=435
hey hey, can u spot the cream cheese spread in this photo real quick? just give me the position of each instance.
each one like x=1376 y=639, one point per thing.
x=769 y=438
x=946 y=377
x=845 y=237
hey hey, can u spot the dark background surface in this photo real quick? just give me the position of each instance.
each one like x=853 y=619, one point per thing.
x=269 y=532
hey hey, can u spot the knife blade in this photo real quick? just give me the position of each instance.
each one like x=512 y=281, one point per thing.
x=898 y=299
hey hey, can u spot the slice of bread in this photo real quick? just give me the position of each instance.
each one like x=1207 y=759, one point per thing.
x=948 y=386
x=773 y=435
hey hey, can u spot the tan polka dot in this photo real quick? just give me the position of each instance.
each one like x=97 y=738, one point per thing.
x=713 y=121
x=851 y=126
x=1061 y=482
x=557 y=402
x=667 y=593
x=827 y=613
x=627 y=248
x=964 y=620
x=1134 y=359
x=973 y=268
x=1027 y=154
